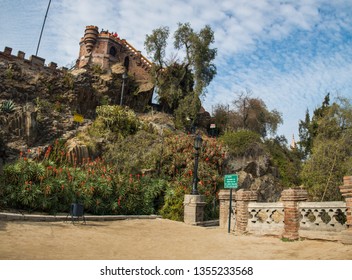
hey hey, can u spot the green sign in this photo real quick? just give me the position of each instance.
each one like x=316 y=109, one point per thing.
x=231 y=181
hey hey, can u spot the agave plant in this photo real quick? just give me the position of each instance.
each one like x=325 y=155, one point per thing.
x=7 y=106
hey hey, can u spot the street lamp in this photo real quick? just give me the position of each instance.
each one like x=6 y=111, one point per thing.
x=197 y=145
x=124 y=78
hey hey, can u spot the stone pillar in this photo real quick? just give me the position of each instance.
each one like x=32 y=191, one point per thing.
x=243 y=198
x=292 y=215
x=346 y=191
x=193 y=209
x=224 y=201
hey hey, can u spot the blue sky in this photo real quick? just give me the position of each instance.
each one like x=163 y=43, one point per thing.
x=288 y=53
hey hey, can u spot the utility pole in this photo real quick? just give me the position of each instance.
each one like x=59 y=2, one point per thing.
x=41 y=32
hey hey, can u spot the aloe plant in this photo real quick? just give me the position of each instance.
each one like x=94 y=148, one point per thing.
x=7 y=106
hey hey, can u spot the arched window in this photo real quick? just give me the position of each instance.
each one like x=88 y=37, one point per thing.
x=113 y=51
x=126 y=63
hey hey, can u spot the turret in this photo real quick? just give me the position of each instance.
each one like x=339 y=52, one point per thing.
x=90 y=37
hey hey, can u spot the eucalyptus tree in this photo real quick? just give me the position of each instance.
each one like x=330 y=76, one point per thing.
x=182 y=80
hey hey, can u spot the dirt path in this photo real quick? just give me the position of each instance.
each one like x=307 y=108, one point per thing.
x=150 y=240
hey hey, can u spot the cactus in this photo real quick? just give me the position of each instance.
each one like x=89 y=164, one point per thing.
x=7 y=106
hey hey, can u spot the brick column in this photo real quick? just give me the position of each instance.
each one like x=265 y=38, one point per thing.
x=346 y=191
x=193 y=209
x=292 y=215
x=243 y=198
x=224 y=202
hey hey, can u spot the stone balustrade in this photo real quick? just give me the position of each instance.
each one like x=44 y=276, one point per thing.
x=265 y=218
x=325 y=220
x=293 y=217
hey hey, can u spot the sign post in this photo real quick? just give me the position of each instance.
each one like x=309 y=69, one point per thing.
x=230 y=182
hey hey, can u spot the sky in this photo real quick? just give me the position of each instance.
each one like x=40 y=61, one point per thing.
x=290 y=54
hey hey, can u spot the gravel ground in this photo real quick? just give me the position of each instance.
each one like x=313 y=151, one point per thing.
x=151 y=240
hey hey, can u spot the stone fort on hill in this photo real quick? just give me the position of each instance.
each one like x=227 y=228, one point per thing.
x=23 y=79
x=96 y=48
x=105 y=49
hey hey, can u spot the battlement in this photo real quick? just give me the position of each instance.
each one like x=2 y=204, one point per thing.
x=137 y=53
x=128 y=46
x=33 y=61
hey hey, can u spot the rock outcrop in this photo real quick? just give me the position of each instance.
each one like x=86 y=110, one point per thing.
x=256 y=173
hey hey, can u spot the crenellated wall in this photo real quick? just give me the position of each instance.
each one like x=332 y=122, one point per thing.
x=34 y=62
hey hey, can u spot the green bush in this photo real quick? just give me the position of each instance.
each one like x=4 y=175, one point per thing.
x=50 y=183
x=178 y=165
x=241 y=142
x=115 y=120
x=173 y=205
x=135 y=153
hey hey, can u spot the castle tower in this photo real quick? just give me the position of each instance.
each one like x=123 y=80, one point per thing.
x=114 y=55
x=105 y=49
x=90 y=37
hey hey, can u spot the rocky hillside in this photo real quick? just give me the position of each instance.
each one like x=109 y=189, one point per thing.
x=43 y=102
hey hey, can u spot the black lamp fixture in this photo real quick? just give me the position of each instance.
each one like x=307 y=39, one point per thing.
x=197 y=146
x=124 y=78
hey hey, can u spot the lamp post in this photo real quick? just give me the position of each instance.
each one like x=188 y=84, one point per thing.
x=124 y=77
x=197 y=145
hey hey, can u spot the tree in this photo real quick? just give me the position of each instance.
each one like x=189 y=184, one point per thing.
x=287 y=161
x=222 y=117
x=249 y=114
x=186 y=77
x=308 y=128
x=253 y=114
x=330 y=158
x=156 y=44
x=305 y=136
